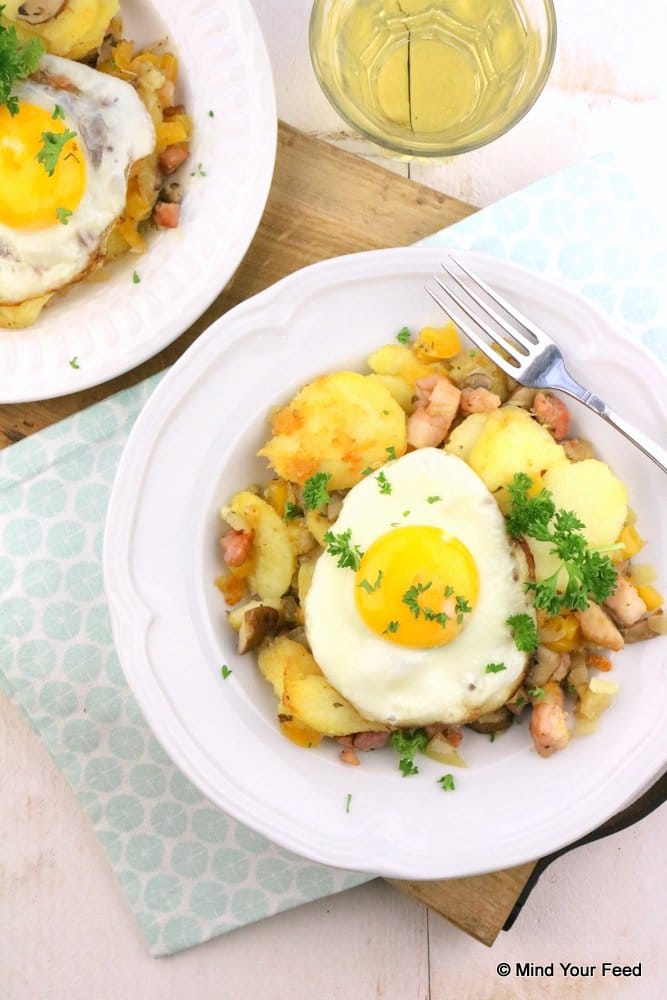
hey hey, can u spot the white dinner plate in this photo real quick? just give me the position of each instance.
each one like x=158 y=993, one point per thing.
x=110 y=324
x=193 y=446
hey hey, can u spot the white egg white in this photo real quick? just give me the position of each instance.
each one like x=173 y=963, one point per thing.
x=114 y=129
x=404 y=685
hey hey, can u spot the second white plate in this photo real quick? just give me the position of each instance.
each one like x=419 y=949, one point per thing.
x=110 y=324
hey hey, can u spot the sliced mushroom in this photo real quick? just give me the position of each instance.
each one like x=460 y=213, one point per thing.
x=256 y=625
x=493 y=722
x=40 y=11
x=478 y=379
x=172 y=192
x=642 y=629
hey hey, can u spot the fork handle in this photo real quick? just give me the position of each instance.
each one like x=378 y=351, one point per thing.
x=651 y=448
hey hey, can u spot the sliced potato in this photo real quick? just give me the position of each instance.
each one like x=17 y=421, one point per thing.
x=510 y=442
x=597 y=497
x=310 y=698
x=273 y=559
x=305 y=578
x=25 y=314
x=318 y=525
x=463 y=437
x=274 y=657
x=401 y=390
x=339 y=424
x=397 y=359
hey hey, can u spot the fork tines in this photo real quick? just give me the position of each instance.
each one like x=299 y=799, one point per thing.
x=476 y=316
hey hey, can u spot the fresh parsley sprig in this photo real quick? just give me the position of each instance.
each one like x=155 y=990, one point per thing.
x=408 y=743
x=462 y=607
x=446 y=782
x=590 y=574
x=349 y=556
x=53 y=144
x=315 y=493
x=17 y=61
x=524 y=632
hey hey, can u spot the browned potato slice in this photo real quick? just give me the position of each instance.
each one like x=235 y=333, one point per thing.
x=313 y=701
x=274 y=560
x=339 y=424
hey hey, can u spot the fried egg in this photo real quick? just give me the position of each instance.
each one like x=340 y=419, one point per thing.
x=53 y=226
x=418 y=633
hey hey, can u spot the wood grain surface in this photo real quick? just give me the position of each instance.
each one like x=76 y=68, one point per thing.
x=323 y=203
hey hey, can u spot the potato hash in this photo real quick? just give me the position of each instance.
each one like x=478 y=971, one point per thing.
x=435 y=551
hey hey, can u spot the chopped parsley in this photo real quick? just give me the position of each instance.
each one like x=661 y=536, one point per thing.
x=411 y=597
x=17 y=61
x=384 y=484
x=135 y=278
x=433 y=499
x=211 y=114
x=537 y=692
x=371 y=587
x=406 y=513
x=348 y=800
x=53 y=144
x=403 y=335
x=349 y=556
x=291 y=511
x=201 y=171
x=440 y=617
x=391 y=451
x=494 y=668
x=315 y=493
x=62 y=215
x=449 y=591
x=57 y=112
x=589 y=573
x=225 y=671
x=524 y=632
x=408 y=743
x=461 y=608
x=367 y=471
x=492 y=737
x=520 y=702
x=74 y=362
x=385 y=413
x=446 y=782
x=391 y=627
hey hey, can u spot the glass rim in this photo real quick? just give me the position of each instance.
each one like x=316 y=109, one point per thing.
x=551 y=39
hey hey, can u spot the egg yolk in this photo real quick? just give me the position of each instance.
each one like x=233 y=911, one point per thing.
x=416 y=586
x=29 y=197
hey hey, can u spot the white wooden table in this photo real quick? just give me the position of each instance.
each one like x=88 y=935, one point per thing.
x=65 y=931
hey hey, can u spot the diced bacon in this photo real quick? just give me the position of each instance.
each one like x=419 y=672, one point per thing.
x=598 y=628
x=370 y=740
x=625 y=604
x=437 y=400
x=553 y=413
x=479 y=400
x=173 y=157
x=167 y=214
x=548 y=727
x=235 y=546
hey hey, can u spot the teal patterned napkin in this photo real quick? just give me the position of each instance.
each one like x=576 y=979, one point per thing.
x=189 y=871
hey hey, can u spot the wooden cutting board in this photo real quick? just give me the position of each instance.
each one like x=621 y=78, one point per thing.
x=323 y=203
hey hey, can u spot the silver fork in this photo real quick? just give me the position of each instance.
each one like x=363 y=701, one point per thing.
x=534 y=359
